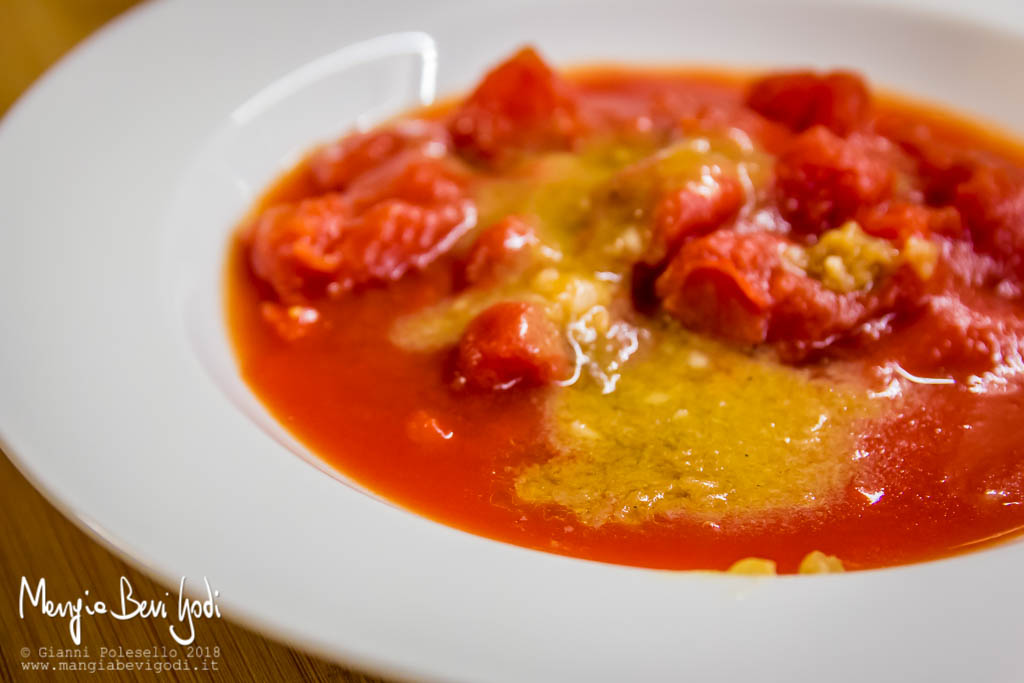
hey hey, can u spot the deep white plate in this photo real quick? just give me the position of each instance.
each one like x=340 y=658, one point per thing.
x=121 y=175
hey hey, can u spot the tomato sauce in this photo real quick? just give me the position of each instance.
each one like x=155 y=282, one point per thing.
x=312 y=312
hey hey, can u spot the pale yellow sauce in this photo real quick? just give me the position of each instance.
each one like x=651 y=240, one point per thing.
x=694 y=427
x=656 y=420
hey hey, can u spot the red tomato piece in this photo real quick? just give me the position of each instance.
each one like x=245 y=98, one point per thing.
x=897 y=221
x=822 y=179
x=510 y=344
x=838 y=100
x=807 y=317
x=963 y=339
x=736 y=286
x=992 y=205
x=290 y=322
x=501 y=251
x=337 y=165
x=940 y=166
x=685 y=213
x=520 y=105
x=409 y=176
x=294 y=247
x=394 y=218
x=721 y=284
x=395 y=236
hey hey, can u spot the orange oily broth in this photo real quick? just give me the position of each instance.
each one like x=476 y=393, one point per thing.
x=517 y=467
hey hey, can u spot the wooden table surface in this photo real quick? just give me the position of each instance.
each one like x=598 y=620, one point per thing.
x=37 y=541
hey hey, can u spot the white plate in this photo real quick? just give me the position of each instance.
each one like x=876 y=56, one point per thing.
x=121 y=174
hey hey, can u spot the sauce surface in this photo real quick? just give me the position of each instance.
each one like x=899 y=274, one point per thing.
x=662 y=319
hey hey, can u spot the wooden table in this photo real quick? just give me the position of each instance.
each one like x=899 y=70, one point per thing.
x=36 y=540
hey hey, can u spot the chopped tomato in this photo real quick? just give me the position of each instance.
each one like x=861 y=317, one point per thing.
x=502 y=250
x=738 y=287
x=807 y=317
x=992 y=204
x=963 y=339
x=395 y=236
x=294 y=246
x=940 y=165
x=897 y=221
x=393 y=218
x=409 y=176
x=520 y=105
x=290 y=322
x=722 y=284
x=510 y=344
x=337 y=165
x=685 y=213
x=838 y=100
x=823 y=179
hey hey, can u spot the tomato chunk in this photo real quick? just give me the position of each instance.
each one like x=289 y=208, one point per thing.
x=294 y=247
x=502 y=250
x=291 y=323
x=737 y=286
x=394 y=218
x=992 y=205
x=897 y=221
x=964 y=339
x=510 y=344
x=411 y=177
x=823 y=179
x=337 y=165
x=721 y=284
x=685 y=213
x=807 y=317
x=940 y=165
x=520 y=105
x=838 y=100
x=396 y=236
